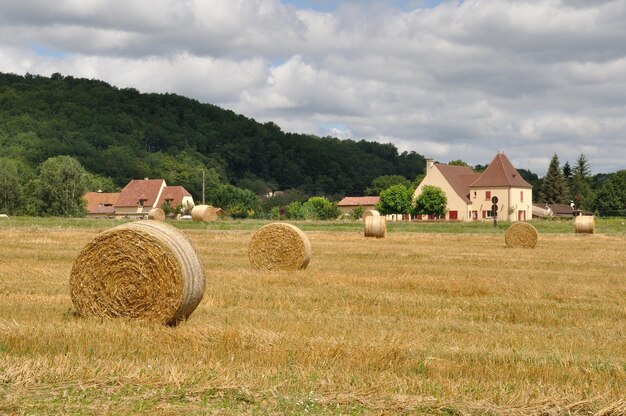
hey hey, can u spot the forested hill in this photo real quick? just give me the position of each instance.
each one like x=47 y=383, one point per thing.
x=123 y=134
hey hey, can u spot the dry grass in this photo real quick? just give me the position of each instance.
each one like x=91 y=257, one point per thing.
x=414 y=323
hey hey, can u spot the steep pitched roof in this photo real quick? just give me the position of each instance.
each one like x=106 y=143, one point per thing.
x=173 y=193
x=501 y=172
x=146 y=189
x=100 y=202
x=459 y=178
x=354 y=201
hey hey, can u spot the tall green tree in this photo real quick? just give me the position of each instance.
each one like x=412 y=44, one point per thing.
x=431 y=201
x=396 y=199
x=554 y=189
x=237 y=202
x=62 y=184
x=383 y=182
x=611 y=198
x=458 y=162
x=11 y=187
x=320 y=208
x=567 y=172
x=580 y=184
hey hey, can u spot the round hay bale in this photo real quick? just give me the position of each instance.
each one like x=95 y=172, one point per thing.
x=156 y=214
x=375 y=226
x=371 y=213
x=521 y=234
x=144 y=270
x=585 y=224
x=279 y=246
x=203 y=213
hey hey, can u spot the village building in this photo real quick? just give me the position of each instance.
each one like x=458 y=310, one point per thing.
x=470 y=194
x=137 y=198
x=101 y=204
x=349 y=203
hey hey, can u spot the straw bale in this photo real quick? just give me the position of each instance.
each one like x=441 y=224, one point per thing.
x=279 y=246
x=156 y=214
x=144 y=270
x=371 y=213
x=521 y=234
x=375 y=226
x=585 y=224
x=203 y=213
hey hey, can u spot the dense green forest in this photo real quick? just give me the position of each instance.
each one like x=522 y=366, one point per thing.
x=123 y=134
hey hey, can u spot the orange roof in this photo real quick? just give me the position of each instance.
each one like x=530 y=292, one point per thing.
x=459 y=178
x=146 y=189
x=350 y=201
x=501 y=172
x=173 y=193
x=98 y=202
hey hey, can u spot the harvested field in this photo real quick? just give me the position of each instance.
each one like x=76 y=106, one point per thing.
x=415 y=322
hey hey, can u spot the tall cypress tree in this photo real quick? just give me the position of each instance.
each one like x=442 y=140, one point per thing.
x=554 y=189
x=581 y=183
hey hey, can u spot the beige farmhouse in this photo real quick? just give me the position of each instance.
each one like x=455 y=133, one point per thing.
x=470 y=194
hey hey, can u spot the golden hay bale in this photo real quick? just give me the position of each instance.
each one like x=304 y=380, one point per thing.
x=375 y=226
x=141 y=270
x=156 y=214
x=203 y=213
x=371 y=213
x=279 y=246
x=585 y=224
x=521 y=234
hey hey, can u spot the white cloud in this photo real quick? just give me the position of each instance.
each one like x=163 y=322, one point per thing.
x=458 y=81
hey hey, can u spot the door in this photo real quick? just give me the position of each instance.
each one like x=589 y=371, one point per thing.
x=454 y=215
x=521 y=215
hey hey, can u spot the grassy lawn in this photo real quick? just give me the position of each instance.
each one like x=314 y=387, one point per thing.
x=435 y=318
x=611 y=226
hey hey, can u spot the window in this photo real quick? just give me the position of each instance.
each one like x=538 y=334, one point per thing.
x=521 y=196
x=474 y=194
x=487 y=214
x=141 y=202
x=487 y=195
x=474 y=215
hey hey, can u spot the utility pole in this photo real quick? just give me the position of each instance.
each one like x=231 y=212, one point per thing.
x=203 y=186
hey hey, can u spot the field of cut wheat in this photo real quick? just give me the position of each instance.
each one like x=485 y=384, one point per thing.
x=414 y=323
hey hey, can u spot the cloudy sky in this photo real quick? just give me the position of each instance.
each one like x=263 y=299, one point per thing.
x=447 y=79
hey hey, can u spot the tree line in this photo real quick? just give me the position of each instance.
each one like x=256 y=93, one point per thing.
x=603 y=194
x=122 y=134
x=61 y=136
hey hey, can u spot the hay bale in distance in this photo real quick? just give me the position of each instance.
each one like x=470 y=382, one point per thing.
x=521 y=234
x=279 y=246
x=585 y=224
x=375 y=226
x=203 y=213
x=144 y=270
x=156 y=214
x=371 y=213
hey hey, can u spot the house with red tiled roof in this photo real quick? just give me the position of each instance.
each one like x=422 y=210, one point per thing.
x=101 y=204
x=470 y=194
x=141 y=195
x=349 y=203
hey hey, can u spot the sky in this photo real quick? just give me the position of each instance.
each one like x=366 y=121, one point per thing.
x=448 y=79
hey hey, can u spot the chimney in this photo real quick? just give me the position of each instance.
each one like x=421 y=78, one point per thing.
x=429 y=165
